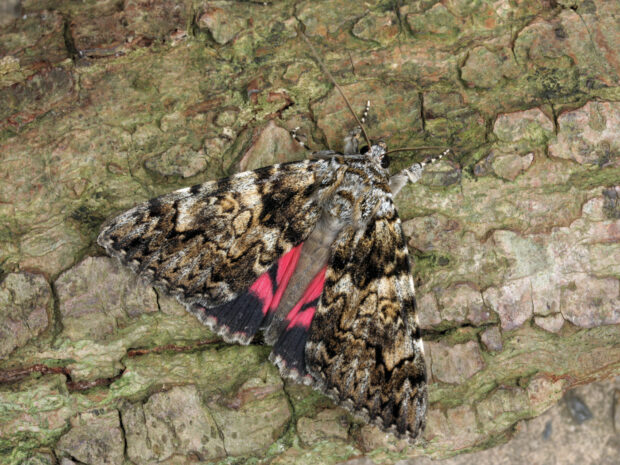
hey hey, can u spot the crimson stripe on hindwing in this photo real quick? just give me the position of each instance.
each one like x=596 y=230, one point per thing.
x=240 y=319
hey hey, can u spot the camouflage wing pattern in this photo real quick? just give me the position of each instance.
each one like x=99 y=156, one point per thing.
x=208 y=244
x=364 y=345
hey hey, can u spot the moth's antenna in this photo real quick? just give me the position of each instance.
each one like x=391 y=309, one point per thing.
x=430 y=160
x=331 y=78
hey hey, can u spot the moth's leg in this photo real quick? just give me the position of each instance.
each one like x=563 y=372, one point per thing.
x=351 y=140
x=412 y=174
x=297 y=139
x=365 y=114
x=321 y=154
x=314 y=155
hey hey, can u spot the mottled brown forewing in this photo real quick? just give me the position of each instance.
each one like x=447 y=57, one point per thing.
x=364 y=345
x=209 y=242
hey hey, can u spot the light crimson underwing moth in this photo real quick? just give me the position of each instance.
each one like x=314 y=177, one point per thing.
x=311 y=253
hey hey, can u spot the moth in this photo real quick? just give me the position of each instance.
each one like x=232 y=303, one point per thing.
x=311 y=253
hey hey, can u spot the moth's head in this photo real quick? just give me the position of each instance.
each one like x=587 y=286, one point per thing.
x=377 y=153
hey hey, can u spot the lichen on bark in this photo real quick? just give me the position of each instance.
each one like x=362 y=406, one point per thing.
x=515 y=237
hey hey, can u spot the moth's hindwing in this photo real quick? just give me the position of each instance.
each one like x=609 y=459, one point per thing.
x=240 y=319
x=364 y=346
x=209 y=244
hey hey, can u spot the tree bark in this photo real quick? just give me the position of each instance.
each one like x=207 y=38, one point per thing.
x=515 y=238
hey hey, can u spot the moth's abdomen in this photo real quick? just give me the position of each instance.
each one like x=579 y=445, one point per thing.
x=289 y=350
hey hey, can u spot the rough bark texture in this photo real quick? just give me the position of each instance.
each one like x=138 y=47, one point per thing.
x=516 y=238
